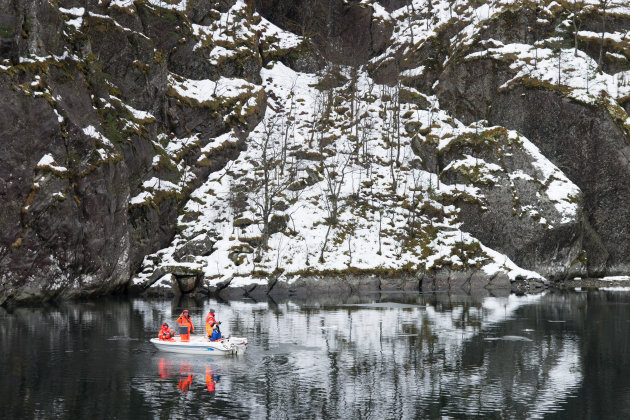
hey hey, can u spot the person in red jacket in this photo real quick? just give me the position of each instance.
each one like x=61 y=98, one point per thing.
x=212 y=327
x=166 y=333
x=186 y=326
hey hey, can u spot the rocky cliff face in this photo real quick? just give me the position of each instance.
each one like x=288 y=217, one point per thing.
x=246 y=146
x=102 y=142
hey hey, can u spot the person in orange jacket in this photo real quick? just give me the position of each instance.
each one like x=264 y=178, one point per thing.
x=212 y=327
x=186 y=326
x=166 y=333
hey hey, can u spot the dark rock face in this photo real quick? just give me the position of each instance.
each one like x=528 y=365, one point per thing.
x=540 y=241
x=344 y=32
x=73 y=152
x=470 y=282
x=591 y=149
x=199 y=245
x=583 y=140
x=29 y=27
x=65 y=226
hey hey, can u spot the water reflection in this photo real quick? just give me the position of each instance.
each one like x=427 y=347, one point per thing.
x=211 y=379
x=559 y=355
x=186 y=375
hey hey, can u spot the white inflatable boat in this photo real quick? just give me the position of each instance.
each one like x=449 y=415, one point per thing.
x=201 y=345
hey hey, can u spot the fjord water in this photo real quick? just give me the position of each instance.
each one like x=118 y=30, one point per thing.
x=557 y=355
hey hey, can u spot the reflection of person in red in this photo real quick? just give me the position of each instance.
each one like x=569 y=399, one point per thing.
x=166 y=333
x=185 y=377
x=164 y=369
x=210 y=382
x=186 y=326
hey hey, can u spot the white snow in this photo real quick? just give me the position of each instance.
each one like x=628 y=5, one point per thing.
x=615 y=278
x=377 y=201
x=209 y=90
x=47 y=161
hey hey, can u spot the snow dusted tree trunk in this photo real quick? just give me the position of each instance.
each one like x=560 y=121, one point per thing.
x=577 y=24
x=414 y=203
x=390 y=133
x=287 y=127
x=588 y=69
x=321 y=254
x=334 y=177
x=354 y=102
x=267 y=202
x=536 y=12
x=559 y=65
x=410 y=14
x=271 y=183
x=603 y=4
x=351 y=230
x=397 y=121
x=380 y=229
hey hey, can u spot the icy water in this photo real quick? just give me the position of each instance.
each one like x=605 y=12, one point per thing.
x=558 y=355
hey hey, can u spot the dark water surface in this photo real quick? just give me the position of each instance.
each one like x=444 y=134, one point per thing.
x=558 y=355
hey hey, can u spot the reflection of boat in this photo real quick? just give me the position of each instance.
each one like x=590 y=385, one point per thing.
x=201 y=345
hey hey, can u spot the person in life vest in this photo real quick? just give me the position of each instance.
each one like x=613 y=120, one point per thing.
x=212 y=327
x=186 y=326
x=166 y=333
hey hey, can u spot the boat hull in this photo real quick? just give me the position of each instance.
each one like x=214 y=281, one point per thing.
x=201 y=345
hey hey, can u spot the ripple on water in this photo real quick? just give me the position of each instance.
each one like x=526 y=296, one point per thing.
x=385 y=305
x=121 y=338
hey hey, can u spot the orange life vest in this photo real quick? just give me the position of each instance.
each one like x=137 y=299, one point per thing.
x=186 y=322
x=166 y=334
x=210 y=323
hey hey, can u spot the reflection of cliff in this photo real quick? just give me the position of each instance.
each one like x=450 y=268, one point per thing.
x=68 y=361
x=408 y=359
x=427 y=357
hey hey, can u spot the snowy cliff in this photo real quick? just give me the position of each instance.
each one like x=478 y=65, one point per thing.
x=242 y=147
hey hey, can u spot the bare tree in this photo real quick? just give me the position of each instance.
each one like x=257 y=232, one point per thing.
x=391 y=130
x=380 y=231
x=603 y=5
x=335 y=170
x=536 y=13
x=451 y=3
x=559 y=65
x=576 y=20
x=413 y=205
x=270 y=185
x=411 y=12
x=288 y=125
